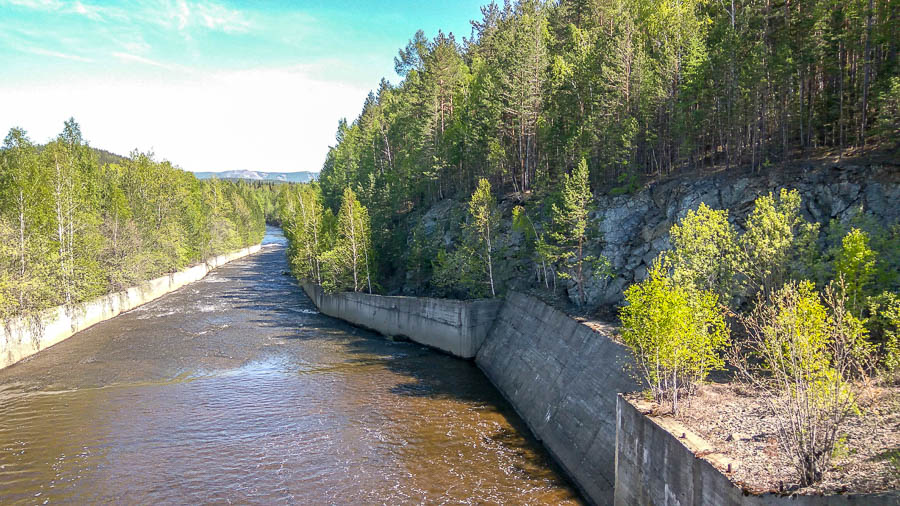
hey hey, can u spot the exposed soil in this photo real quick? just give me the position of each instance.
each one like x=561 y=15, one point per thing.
x=738 y=425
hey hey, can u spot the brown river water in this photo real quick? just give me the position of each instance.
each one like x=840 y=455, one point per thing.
x=235 y=389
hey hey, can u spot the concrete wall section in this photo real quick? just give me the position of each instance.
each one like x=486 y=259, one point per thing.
x=23 y=337
x=654 y=467
x=562 y=377
x=564 y=380
x=454 y=326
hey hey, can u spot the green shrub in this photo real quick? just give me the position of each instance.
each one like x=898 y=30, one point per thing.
x=704 y=249
x=855 y=264
x=455 y=275
x=883 y=239
x=778 y=245
x=884 y=322
x=800 y=351
x=541 y=252
x=675 y=332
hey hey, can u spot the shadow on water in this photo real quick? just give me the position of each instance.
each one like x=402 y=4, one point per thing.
x=430 y=374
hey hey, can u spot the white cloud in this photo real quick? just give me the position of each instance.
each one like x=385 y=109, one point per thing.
x=55 y=54
x=88 y=11
x=128 y=57
x=268 y=119
x=217 y=17
x=42 y=5
x=184 y=16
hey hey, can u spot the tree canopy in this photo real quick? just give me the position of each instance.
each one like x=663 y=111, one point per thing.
x=73 y=228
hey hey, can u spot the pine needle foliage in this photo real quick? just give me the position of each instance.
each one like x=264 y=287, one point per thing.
x=569 y=231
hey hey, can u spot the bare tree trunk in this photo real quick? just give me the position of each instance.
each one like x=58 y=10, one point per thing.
x=368 y=276
x=21 y=247
x=867 y=65
x=841 y=113
x=353 y=245
x=61 y=232
x=490 y=262
x=581 y=270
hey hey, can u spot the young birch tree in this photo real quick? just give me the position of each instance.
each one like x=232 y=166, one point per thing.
x=776 y=244
x=20 y=188
x=799 y=352
x=311 y=210
x=704 y=251
x=485 y=219
x=350 y=255
x=676 y=333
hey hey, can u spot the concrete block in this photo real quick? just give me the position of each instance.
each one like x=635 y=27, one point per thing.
x=568 y=397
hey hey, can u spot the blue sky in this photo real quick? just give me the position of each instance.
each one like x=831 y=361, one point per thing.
x=209 y=85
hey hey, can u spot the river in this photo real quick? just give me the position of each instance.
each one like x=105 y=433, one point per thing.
x=235 y=389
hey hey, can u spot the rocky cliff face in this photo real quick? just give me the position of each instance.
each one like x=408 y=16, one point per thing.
x=634 y=228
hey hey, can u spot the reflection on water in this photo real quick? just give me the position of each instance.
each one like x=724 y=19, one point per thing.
x=235 y=389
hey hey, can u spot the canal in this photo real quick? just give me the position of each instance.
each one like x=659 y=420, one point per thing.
x=235 y=389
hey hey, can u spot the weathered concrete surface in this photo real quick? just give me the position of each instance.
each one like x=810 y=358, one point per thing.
x=562 y=377
x=655 y=467
x=23 y=337
x=454 y=326
x=564 y=380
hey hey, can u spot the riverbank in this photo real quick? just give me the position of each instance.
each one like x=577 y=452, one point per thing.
x=561 y=377
x=659 y=461
x=236 y=390
x=737 y=424
x=564 y=379
x=22 y=337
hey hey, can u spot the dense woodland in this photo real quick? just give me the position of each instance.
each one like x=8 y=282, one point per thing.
x=638 y=88
x=72 y=228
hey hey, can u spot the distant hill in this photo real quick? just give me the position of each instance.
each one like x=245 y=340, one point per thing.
x=256 y=175
x=105 y=157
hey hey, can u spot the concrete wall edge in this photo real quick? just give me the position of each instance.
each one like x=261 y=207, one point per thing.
x=644 y=443
x=22 y=337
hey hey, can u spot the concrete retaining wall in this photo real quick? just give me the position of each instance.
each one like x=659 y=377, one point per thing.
x=454 y=326
x=562 y=378
x=23 y=337
x=655 y=467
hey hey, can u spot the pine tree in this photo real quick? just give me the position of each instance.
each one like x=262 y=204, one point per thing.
x=570 y=229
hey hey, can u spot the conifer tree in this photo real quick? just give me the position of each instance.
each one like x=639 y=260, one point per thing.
x=570 y=229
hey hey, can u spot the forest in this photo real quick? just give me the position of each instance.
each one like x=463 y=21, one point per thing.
x=73 y=228
x=637 y=88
